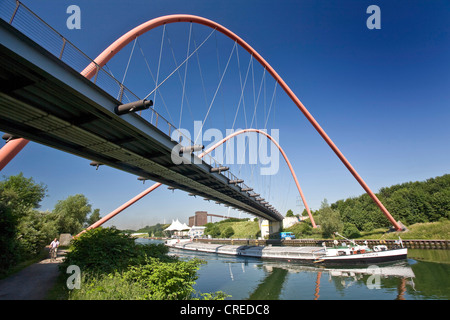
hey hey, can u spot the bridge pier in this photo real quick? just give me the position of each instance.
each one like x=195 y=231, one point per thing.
x=269 y=228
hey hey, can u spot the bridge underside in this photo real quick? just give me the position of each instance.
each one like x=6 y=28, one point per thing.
x=44 y=100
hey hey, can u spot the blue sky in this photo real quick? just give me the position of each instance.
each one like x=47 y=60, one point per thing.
x=381 y=95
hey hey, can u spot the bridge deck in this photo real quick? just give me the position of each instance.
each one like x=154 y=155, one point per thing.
x=44 y=100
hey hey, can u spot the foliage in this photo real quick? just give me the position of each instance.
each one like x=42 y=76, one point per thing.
x=71 y=213
x=232 y=220
x=93 y=218
x=114 y=267
x=8 y=231
x=329 y=220
x=289 y=213
x=241 y=229
x=410 y=203
x=21 y=193
x=104 y=250
x=301 y=230
x=23 y=229
x=151 y=280
x=350 y=231
x=36 y=229
x=228 y=232
x=439 y=230
x=155 y=231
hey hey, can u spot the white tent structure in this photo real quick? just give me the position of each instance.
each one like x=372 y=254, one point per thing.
x=177 y=227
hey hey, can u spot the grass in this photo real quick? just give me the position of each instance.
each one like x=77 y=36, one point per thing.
x=242 y=229
x=427 y=231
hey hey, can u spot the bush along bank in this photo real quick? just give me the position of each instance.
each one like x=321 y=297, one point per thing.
x=114 y=267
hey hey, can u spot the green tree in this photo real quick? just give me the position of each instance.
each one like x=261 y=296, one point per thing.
x=21 y=194
x=8 y=243
x=329 y=220
x=93 y=218
x=23 y=230
x=289 y=213
x=212 y=229
x=350 y=231
x=70 y=214
x=228 y=232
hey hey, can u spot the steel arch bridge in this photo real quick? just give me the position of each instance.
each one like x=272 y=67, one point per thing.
x=92 y=70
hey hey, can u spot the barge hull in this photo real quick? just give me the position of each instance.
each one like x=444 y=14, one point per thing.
x=299 y=254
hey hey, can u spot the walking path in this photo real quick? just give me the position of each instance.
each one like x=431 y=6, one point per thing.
x=33 y=282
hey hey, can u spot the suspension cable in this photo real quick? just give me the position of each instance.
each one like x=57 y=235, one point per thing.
x=159 y=65
x=181 y=64
x=154 y=80
x=217 y=90
x=185 y=72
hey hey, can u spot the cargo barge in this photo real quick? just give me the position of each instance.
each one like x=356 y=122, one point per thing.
x=343 y=253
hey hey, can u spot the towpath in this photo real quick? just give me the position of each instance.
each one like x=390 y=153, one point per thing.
x=32 y=282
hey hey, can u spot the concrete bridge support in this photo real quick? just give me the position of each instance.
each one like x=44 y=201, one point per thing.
x=269 y=228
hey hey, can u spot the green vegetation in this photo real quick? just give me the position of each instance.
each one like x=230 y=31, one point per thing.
x=233 y=228
x=114 y=267
x=25 y=230
x=424 y=207
x=154 y=231
x=410 y=203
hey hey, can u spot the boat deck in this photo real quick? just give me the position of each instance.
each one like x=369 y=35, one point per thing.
x=294 y=253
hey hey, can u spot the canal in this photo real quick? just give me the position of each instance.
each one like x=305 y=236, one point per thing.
x=423 y=276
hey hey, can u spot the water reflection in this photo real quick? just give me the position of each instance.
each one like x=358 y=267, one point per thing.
x=342 y=278
x=253 y=278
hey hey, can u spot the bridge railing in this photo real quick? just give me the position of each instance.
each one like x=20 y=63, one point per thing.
x=31 y=25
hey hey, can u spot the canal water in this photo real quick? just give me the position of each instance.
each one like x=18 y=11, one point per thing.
x=425 y=275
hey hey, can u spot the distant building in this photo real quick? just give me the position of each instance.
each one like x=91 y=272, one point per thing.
x=200 y=219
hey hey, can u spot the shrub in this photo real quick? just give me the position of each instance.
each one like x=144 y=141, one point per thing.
x=104 y=250
x=350 y=231
x=114 y=267
x=152 y=280
x=227 y=233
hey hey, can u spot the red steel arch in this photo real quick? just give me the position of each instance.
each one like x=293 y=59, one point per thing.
x=284 y=156
x=107 y=54
x=158 y=184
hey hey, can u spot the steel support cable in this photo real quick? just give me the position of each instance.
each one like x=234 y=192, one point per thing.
x=129 y=60
x=181 y=64
x=218 y=78
x=209 y=150
x=282 y=152
x=185 y=73
x=157 y=73
x=255 y=108
x=154 y=80
x=241 y=98
x=121 y=91
x=217 y=90
x=242 y=93
x=178 y=71
x=200 y=71
x=108 y=53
